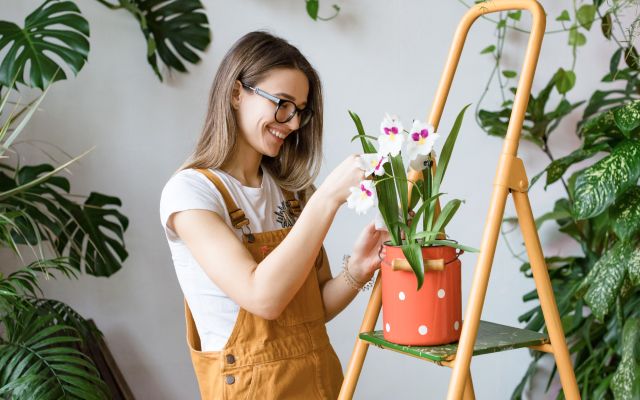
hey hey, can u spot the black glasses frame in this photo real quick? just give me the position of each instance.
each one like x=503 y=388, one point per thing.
x=280 y=102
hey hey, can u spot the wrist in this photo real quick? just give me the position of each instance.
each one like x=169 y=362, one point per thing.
x=328 y=196
x=357 y=272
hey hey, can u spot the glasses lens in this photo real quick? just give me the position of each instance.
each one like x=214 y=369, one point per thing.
x=305 y=117
x=285 y=111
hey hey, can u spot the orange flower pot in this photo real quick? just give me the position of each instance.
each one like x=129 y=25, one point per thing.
x=430 y=316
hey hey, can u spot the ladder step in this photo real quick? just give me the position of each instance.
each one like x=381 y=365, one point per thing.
x=491 y=338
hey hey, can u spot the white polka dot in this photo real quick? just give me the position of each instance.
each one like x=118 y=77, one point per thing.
x=401 y=295
x=388 y=327
x=441 y=293
x=422 y=330
x=456 y=325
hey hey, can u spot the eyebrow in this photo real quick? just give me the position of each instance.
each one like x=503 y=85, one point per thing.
x=288 y=97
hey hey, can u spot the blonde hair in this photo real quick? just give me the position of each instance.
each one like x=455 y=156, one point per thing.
x=250 y=59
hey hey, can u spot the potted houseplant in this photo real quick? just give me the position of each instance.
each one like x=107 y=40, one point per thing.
x=421 y=271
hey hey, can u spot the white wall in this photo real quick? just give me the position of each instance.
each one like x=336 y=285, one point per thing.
x=376 y=56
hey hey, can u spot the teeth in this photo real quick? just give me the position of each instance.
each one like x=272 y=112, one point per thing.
x=278 y=134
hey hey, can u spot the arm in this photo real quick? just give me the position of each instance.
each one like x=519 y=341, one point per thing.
x=336 y=293
x=265 y=288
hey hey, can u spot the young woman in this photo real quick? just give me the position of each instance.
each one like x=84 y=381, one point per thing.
x=257 y=284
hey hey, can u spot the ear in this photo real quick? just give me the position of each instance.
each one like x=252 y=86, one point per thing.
x=236 y=94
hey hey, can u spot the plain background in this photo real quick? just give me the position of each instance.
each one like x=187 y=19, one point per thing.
x=376 y=56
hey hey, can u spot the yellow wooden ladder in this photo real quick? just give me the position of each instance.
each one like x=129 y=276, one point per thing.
x=480 y=337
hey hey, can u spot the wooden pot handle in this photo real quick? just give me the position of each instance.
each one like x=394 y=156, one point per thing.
x=429 y=265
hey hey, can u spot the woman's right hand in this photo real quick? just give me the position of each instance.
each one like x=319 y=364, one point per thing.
x=346 y=175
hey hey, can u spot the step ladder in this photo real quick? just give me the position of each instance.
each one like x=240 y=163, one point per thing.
x=481 y=337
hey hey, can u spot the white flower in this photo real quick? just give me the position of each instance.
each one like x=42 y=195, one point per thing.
x=421 y=140
x=418 y=163
x=372 y=163
x=363 y=198
x=392 y=136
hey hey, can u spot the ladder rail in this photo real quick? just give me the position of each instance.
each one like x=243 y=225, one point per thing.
x=510 y=178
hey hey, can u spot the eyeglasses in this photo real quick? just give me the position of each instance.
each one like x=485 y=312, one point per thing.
x=286 y=109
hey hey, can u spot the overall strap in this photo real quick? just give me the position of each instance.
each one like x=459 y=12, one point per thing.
x=293 y=202
x=238 y=219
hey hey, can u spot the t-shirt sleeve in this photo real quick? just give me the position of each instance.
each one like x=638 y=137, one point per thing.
x=188 y=190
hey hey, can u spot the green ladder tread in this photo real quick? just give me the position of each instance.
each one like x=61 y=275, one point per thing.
x=491 y=338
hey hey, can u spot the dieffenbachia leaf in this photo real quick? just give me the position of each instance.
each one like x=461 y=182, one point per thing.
x=625 y=214
x=627 y=117
x=593 y=273
x=599 y=185
x=37 y=37
x=558 y=167
x=606 y=285
x=413 y=254
x=633 y=266
x=626 y=377
x=605 y=123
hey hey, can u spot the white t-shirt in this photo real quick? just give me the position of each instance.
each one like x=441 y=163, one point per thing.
x=213 y=311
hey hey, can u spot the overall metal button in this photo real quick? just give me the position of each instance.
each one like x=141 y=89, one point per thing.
x=230 y=379
x=231 y=359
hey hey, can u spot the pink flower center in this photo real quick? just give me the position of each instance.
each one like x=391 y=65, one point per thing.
x=391 y=131
x=365 y=193
x=420 y=136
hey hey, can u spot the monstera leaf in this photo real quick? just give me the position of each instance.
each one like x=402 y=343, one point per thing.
x=37 y=36
x=74 y=229
x=178 y=22
x=599 y=185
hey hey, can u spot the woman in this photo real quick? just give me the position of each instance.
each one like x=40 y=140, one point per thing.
x=256 y=308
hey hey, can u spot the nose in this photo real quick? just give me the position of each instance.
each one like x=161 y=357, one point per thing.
x=294 y=123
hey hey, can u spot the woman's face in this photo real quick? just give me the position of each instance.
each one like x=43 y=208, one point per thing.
x=256 y=115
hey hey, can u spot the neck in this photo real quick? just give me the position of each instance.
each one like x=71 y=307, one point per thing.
x=245 y=167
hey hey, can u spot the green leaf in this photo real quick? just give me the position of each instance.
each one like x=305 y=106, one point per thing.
x=425 y=204
x=595 y=270
x=625 y=214
x=626 y=375
x=447 y=214
x=559 y=166
x=627 y=117
x=564 y=16
x=312 y=8
x=31 y=43
x=401 y=185
x=631 y=58
x=585 y=15
x=387 y=199
x=515 y=15
x=564 y=80
x=182 y=24
x=451 y=244
x=599 y=185
x=576 y=38
x=509 y=74
x=633 y=266
x=555 y=215
x=615 y=61
x=606 y=25
x=488 y=49
x=604 y=289
x=413 y=254
x=415 y=194
x=365 y=136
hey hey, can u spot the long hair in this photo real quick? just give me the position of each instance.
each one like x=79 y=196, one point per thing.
x=249 y=60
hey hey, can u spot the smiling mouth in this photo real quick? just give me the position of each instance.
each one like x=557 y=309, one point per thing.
x=277 y=134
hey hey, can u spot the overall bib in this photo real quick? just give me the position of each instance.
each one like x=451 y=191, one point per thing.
x=286 y=358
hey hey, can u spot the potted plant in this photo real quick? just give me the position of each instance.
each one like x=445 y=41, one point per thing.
x=421 y=271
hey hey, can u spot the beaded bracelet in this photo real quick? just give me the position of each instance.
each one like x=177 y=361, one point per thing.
x=351 y=281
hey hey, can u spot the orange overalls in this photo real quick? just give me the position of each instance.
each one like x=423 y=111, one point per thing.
x=286 y=358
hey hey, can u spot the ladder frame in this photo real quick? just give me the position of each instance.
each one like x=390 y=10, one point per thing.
x=510 y=178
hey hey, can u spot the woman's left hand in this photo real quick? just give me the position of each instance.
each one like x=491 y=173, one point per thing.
x=364 y=260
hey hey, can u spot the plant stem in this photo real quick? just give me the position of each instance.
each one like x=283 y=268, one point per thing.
x=109 y=5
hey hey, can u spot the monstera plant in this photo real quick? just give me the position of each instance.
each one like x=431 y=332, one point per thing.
x=598 y=291
x=41 y=339
x=180 y=24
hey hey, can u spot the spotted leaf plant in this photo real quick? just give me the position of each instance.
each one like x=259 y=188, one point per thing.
x=388 y=187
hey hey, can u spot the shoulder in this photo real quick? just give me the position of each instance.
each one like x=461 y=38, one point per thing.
x=190 y=189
